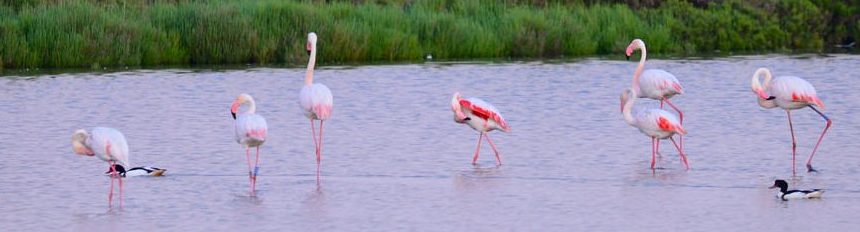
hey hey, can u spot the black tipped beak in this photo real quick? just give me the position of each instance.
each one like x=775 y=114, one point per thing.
x=771 y=98
x=309 y=52
x=234 y=115
x=628 y=57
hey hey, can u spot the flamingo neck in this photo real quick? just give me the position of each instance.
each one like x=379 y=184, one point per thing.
x=626 y=111
x=756 y=82
x=639 y=69
x=252 y=107
x=309 y=75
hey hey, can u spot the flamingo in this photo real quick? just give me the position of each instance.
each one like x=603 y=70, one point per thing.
x=481 y=116
x=655 y=84
x=655 y=123
x=789 y=93
x=250 y=129
x=107 y=144
x=315 y=99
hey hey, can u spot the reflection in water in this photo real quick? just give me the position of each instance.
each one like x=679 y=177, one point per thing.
x=396 y=162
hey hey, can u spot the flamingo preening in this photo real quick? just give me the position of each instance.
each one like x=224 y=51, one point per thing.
x=250 y=129
x=655 y=123
x=789 y=93
x=315 y=99
x=655 y=84
x=107 y=144
x=481 y=116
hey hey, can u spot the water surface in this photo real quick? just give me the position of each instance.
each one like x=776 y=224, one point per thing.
x=394 y=160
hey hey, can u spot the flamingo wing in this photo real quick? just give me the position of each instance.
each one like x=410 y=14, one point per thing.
x=795 y=89
x=316 y=100
x=109 y=145
x=659 y=82
x=485 y=111
x=660 y=120
x=251 y=127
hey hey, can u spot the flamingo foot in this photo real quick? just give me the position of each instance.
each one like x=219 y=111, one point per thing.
x=810 y=169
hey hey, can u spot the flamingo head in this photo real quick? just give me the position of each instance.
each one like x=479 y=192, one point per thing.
x=459 y=116
x=241 y=99
x=634 y=45
x=78 y=143
x=756 y=84
x=312 y=42
x=625 y=97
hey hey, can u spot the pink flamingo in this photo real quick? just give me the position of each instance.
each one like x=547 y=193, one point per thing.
x=655 y=123
x=481 y=116
x=250 y=129
x=107 y=144
x=315 y=99
x=789 y=93
x=655 y=84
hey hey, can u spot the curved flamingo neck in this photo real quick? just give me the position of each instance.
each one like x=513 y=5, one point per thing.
x=758 y=74
x=252 y=106
x=628 y=107
x=639 y=68
x=309 y=75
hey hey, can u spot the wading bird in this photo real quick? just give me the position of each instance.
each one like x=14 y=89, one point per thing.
x=482 y=117
x=107 y=144
x=315 y=99
x=250 y=129
x=789 y=93
x=655 y=123
x=655 y=84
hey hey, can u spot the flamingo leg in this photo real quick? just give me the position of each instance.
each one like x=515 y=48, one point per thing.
x=118 y=177
x=112 y=174
x=250 y=173
x=680 y=118
x=653 y=151
x=681 y=151
x=809 y=162
x=498 y=158
x=478 y=149
x=319 y=151
x=793 y=143
x=314 y=137
x=256 y=170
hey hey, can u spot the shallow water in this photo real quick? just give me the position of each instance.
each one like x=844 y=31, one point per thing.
x=393 y=159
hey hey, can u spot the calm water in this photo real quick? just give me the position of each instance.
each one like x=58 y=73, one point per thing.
x=393 y=159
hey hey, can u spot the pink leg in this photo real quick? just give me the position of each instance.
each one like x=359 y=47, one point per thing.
x=112 y=174
x=498 y=158
x=793 y=143
x=120 y=189
x=314 y=137
x=256 y=171
x=681 y=151
x=478 y=149
x=680 y=118
x=250 y=173
x=809 y=161
x=654 y=141
x=319 y=151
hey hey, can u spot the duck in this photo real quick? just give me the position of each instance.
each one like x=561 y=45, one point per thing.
x=786 y=194
x=138 y=171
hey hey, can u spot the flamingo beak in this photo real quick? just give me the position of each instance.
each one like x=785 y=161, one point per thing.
x=234 y=108
x=628 y=57
x=308 y=47
x=762 y=95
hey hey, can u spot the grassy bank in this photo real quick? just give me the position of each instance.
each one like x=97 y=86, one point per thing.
x=95 y=33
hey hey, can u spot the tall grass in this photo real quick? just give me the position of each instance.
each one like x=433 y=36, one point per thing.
x=96 y=33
